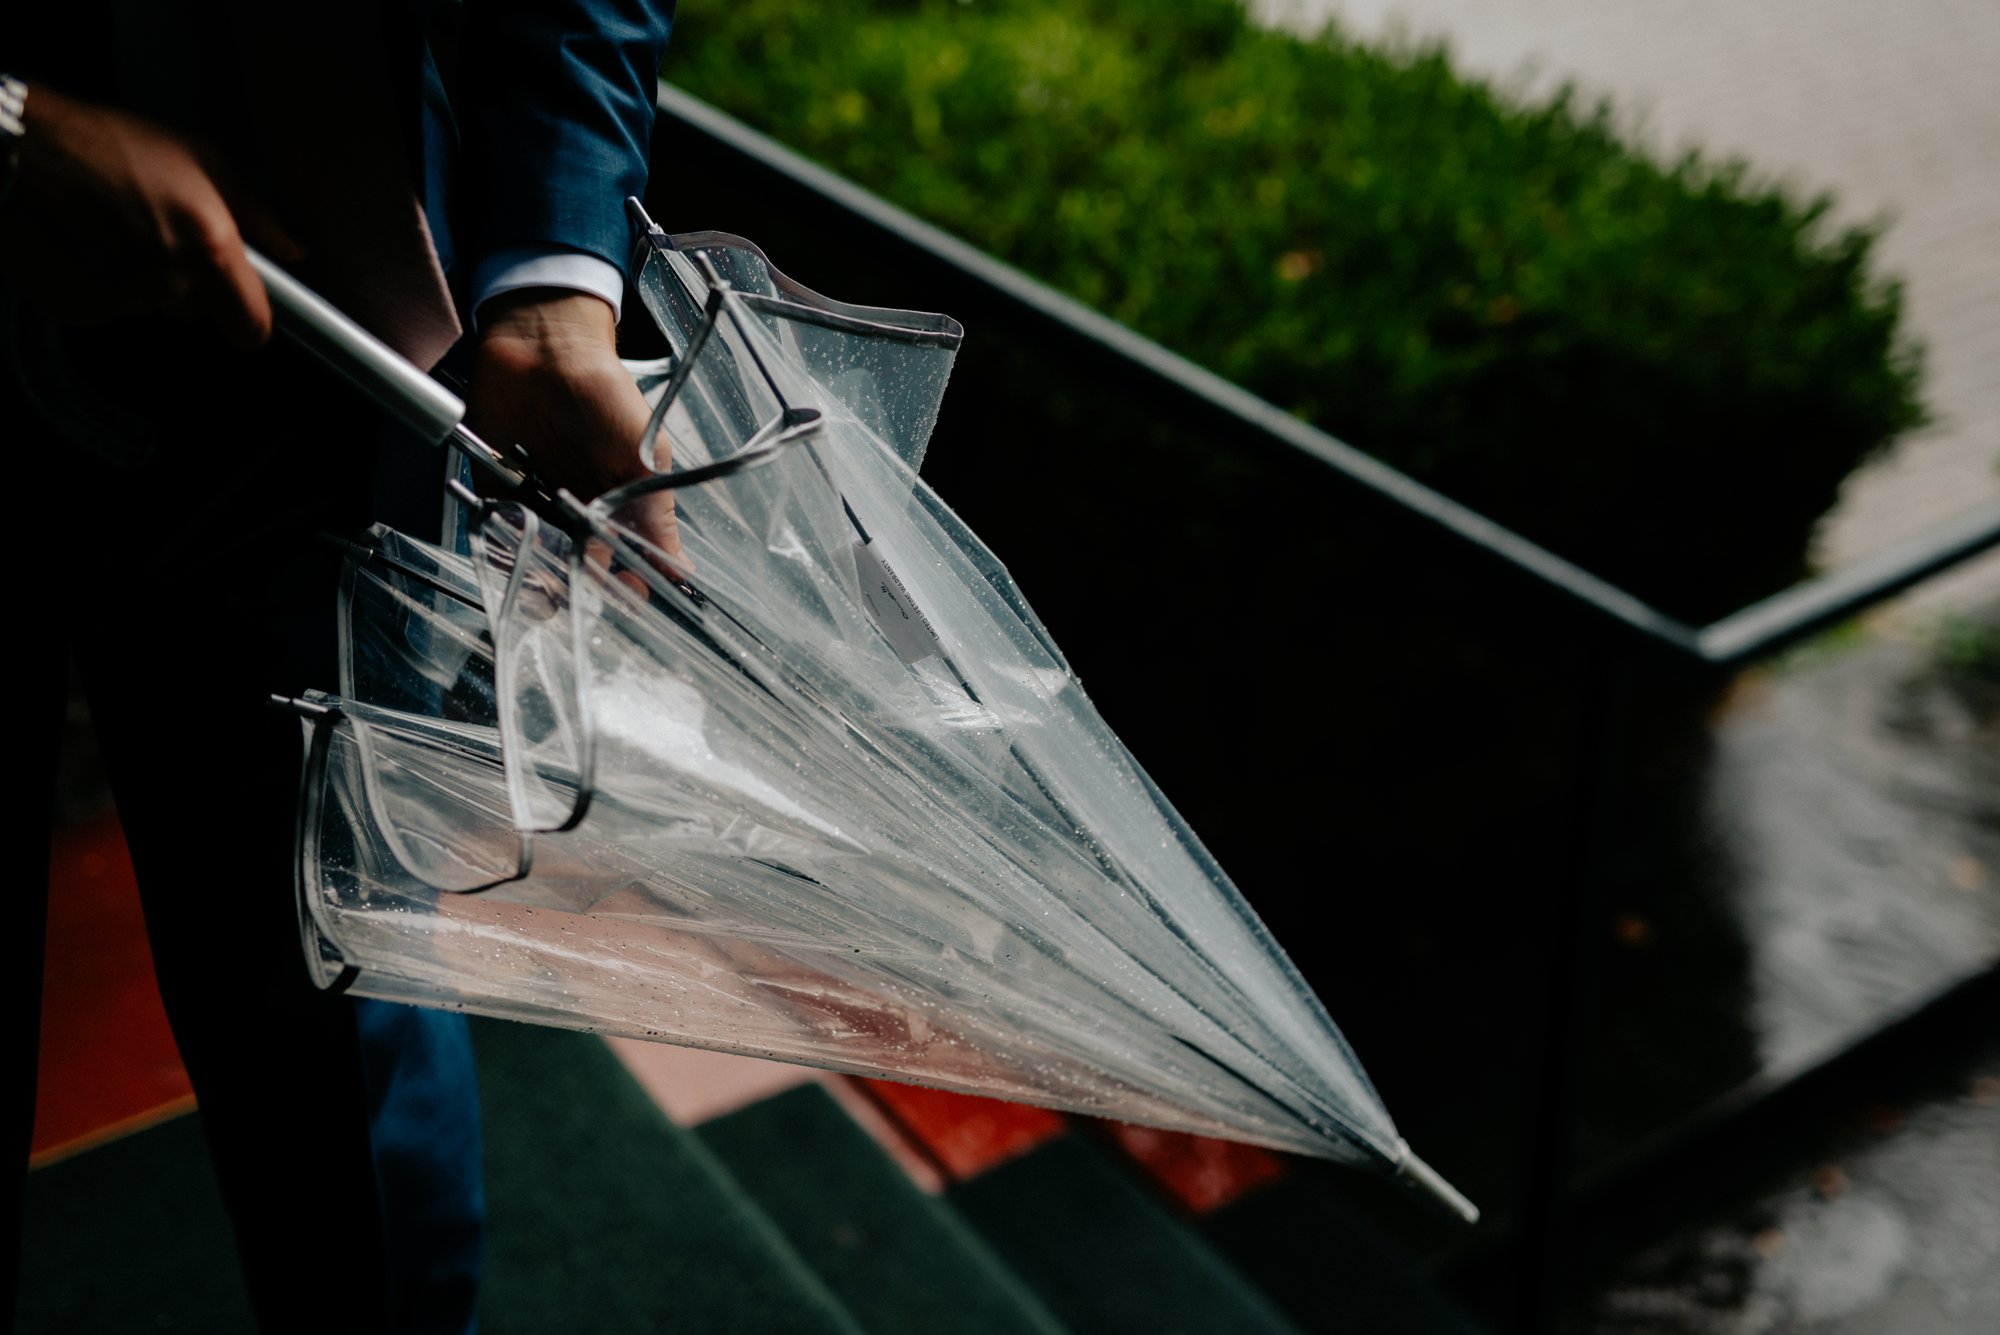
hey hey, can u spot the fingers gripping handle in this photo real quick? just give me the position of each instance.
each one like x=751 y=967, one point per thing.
x=363 y=360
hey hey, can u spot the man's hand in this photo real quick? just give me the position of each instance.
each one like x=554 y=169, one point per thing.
x=113 y=215
x=546 y=377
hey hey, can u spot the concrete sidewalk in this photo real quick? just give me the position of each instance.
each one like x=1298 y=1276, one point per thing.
x=1894 y=108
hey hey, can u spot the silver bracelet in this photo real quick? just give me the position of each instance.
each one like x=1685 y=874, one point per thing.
x=13 y=105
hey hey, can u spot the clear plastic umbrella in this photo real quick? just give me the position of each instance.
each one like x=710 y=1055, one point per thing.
x=821 y=788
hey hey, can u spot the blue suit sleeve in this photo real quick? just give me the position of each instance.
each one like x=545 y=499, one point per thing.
x=555 y=111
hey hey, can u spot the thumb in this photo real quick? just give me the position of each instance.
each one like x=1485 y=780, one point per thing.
x=220 y=284
x=235 y=298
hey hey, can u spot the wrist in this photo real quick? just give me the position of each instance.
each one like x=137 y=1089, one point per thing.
x=549 y=317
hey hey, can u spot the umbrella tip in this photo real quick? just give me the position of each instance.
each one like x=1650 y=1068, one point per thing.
x=1428 y=1180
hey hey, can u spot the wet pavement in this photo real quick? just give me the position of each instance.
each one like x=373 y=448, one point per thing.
x=1856 y=790
x=1852 y=797
x=1887 y=1223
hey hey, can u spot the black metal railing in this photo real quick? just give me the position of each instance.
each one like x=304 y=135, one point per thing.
x=1622 y=632
x=1751 y=633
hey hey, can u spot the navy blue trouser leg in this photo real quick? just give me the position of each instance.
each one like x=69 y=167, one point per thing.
x=424 y=1129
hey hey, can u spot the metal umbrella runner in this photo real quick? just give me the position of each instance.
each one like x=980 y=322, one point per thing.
x=819 y=788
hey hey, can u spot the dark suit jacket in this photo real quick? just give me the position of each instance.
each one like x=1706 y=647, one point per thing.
x=555 y=108
x=539 y=142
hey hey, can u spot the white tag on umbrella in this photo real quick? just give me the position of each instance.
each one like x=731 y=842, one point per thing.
x=903 y=623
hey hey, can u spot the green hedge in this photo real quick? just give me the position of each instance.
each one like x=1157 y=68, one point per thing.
x=1661 y=370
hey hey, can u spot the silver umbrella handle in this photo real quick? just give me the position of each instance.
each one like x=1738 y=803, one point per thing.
x=374 y=368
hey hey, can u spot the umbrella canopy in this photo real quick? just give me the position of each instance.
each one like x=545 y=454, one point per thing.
x=820 y=787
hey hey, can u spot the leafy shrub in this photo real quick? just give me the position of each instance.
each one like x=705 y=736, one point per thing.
x=1663 y=371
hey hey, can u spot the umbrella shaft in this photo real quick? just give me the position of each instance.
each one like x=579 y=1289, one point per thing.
x=357 y=356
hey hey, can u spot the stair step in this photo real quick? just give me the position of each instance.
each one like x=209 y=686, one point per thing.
x=131 y=1237
x=603 y=1216
x=607 y=1217
x=1105 y=1255
x=1321 y=1261
x=901 y=1261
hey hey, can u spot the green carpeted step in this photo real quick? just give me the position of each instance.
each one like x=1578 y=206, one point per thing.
x=1320 y=1260
x=902 y=1262
x=130 y=1237
x=1104 y=1254
x=603 y=1217
x=608 y=1218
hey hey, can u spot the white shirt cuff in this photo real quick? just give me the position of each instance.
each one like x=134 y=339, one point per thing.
x=546 y=266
